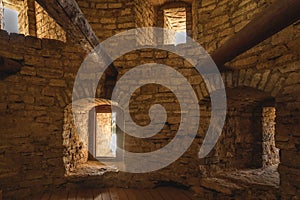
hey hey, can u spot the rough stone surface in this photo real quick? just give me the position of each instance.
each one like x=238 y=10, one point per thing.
x=245 y=184
x=270 y=152
x=39 y=145
x=46 y=26
x=34 y=20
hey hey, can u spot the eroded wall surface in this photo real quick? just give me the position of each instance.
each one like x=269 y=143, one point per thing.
x=32 y=102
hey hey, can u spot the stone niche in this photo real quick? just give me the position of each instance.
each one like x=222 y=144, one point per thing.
x=247 y=140
x=176 y=16
x=95 y=136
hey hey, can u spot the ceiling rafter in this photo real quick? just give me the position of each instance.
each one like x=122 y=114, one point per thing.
x=70 y=17
x=270 y=21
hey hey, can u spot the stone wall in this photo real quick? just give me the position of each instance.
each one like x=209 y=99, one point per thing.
x=287 y=139
x=160 y=21
x=277 y=56
x=32 y=111
x=1 y=14
x=31 y=17
x=109 y=17
x=32 y=102
x=242 y=141
x=75 y=144
x=218 y=20
x=34 y=21
x=76 y=139
x=46 y=27
x=270 y=152
x=145 y=17
x=240 y=145
x=184 y=170
x=287 y=136
x=23 y=20
x=26 y=17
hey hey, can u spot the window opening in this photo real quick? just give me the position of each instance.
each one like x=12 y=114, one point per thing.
x=10 y=20
x=175 y=19
x=106 y=140
x=104 y=135
x=270 y=152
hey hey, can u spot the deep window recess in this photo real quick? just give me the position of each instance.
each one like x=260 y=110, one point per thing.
x=270 y=152
x=175 y=19
x=10 y=20
x=105 y=135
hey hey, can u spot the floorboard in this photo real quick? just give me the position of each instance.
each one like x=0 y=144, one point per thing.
x=156 y=195
x=148 y=194
x=138 y=194
x=84 y=194
x=130 y=194
x=46 y=196
x=97 y=195
x=72 y=194
x=121 y=193
x=60 y=194
x=114 y=194
x=105 y=194
x=163 y=193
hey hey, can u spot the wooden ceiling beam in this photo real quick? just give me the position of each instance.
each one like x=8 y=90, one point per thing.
x=273 y=19
x=70 y=17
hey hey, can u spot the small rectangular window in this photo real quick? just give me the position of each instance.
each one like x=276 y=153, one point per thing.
x=104 y=135
x=106 y=141
x=175 y=20
x=10 y=20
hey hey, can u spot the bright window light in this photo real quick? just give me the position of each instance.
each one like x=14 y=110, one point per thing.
x=11 y=20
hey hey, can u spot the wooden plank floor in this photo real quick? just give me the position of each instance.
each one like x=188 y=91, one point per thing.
x=163 y=193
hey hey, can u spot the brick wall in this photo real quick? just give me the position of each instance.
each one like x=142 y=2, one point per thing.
x=110 y=17
x=1 y=14
x=46 y=27
x=145 y=17
x=218 y=20
x=34 y=21
x=31 y=16
x=160 y=22
x=32 y=104
x=270 y=152
x=272 y=66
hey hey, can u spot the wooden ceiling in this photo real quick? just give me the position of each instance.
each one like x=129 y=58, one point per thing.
x=161 y=2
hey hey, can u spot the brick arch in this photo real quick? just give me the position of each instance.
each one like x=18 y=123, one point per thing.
x=75 y=139
x=271 y=82
x=162 y=2
x=282 y=88
x=268 y=81
x=174 y=4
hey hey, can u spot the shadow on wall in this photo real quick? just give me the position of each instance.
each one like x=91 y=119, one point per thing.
x=248 y=137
